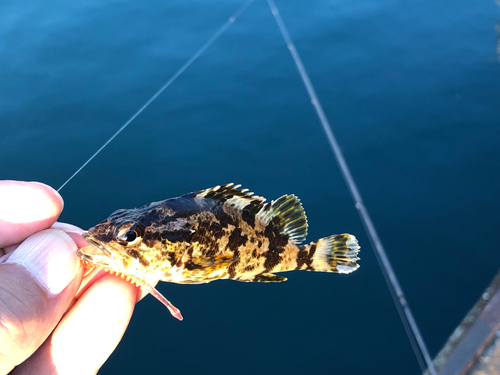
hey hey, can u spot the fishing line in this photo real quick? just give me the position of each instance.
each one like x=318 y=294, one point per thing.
x=397 y=294
x=197 y=54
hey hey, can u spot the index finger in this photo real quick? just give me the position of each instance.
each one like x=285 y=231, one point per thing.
x=26 y=208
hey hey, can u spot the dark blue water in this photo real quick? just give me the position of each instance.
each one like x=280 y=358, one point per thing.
x=412 y=89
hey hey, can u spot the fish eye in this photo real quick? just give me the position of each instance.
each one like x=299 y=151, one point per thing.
x=130 y=236
x=129 y=233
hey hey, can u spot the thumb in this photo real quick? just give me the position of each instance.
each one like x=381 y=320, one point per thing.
x=37 y=284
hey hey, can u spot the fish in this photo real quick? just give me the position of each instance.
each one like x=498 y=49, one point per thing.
x=223 y=232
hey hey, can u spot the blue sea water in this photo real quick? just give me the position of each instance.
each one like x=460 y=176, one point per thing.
x=412 y=90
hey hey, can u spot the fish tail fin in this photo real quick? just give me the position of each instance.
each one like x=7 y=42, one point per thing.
x=337 y=253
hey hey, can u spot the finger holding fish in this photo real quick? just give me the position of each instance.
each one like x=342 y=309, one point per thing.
x=97 y=334
x=46 y=324
x=93 y=325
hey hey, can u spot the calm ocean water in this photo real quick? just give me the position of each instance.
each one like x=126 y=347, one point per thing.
x=412 y=90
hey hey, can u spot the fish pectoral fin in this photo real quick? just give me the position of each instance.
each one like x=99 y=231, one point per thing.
x=269 y=278
x=213 y=263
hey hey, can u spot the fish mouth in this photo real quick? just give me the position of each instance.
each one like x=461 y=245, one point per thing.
x=97 y=244
x=96 y=253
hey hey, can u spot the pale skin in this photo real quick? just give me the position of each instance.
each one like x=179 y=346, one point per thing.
x=63 y=333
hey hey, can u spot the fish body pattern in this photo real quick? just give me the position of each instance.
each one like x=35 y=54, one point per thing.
x=217 y=233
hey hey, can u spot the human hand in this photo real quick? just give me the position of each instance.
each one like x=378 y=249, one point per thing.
x=54 y=318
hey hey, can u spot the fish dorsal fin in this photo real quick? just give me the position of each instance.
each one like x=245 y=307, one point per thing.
x=287 y=214
x=230 y=195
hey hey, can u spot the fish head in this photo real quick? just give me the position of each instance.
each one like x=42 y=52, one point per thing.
x=123 y=244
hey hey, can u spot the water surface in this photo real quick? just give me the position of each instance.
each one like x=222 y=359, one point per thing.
x=412 y=90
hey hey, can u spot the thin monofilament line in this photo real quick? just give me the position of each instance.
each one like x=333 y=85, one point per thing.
x=197 y=54
x=385 y=265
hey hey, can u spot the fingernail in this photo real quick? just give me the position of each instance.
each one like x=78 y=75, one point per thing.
x=50 y=257
x=60 y=198
x=56 y=193
x=68 y=228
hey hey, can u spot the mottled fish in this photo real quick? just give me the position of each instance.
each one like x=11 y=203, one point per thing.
x=217 y=233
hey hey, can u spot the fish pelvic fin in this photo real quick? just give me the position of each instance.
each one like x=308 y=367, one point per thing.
x=173 y=310
x=337 y=253
x=287 y=215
